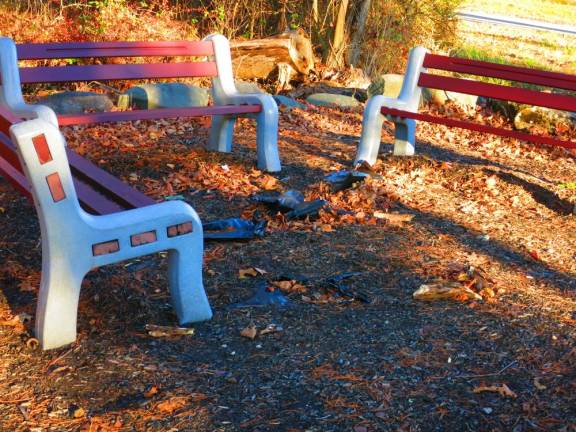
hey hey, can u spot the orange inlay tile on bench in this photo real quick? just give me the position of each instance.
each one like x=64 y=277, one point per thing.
x=105 y=248
x=55 y=186
x=143 y=238
x=42 y=149
x=180 y=229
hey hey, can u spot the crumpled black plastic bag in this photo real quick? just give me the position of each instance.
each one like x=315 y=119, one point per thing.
x=234 y=229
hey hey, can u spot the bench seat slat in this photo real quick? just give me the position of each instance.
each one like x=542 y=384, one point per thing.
x=520 y=95
x=98 y=191
x=506 y=72
x=7 y=119
x=16 y=178
x=94 y=202
x=159 y=113
x=105 y=183
x=107 y=72
x=479 y=128
x=113 y=49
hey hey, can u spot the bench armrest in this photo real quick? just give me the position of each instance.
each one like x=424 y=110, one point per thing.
x=409 y=98
x=11 y=89
x=224 y=90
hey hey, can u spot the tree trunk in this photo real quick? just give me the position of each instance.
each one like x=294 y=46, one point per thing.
x=289 y=52
x=355 y=47
x=336 y=57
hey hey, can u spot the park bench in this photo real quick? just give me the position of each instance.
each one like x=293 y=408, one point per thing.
x=88 y=218
x=228 y=102
x=403 y=111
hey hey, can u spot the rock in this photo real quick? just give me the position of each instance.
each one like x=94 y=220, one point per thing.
x=327 y=99
x=71 y=102
x=387 y=85
x=526 y=117
x=288 y=102
x=245 y=87
x=440 y=97
x=163 y=95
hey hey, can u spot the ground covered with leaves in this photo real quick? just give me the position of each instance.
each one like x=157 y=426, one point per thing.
x=486 y=222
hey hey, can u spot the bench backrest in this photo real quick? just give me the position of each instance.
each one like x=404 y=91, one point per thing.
x=494 y=70
x=104 y=72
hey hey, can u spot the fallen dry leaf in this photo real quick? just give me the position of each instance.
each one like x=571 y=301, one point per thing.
x=248 y=272
x=289 y=286
x=171 y=405
x=445 y=291
x=395 y=219
x=271 y=328
x=151 y=392
x=249 y=332
x=538 y=385
x=167 y=331
x=502 y=389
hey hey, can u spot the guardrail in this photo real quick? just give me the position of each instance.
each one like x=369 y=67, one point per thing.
x=518 y=22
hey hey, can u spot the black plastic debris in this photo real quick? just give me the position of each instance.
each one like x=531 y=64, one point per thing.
x=290 y=202
x=234 y=229
x=335 y=283
x=264 y=296
x=344 y=179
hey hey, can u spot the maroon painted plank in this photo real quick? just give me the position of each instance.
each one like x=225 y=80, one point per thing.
x=16 y=178
x=8 y=152
x=506 y=72
x=480 y=128
x=113 y=49
x=95 y=202
x=7 y=119
x=118 y=116
x=48 y=74
x=530 y=97
x=106 y=183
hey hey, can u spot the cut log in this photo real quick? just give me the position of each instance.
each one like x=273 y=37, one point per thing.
x=288 y=56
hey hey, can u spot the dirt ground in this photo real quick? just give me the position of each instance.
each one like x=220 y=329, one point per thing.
x=333 y=362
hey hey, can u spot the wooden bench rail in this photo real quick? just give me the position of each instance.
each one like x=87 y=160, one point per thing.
x=151 y=114
x=514 y=94
x=403 y=110
x=110 y=72
x=114 y=49
x=505 y=72
x=480 y=128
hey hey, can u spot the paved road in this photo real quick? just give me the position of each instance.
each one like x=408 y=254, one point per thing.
x=520 y=22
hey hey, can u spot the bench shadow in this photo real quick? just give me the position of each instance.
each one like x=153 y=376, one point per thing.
x=540 y=194
x=497 y=249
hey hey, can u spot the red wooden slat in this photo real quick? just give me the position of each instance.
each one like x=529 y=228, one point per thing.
x=113 y=49
x=47 y=74
x=95 y=202
x=7 y=119
x=16 y=178
x=514 y=94
x=8 y=152
x=105 y=183
x=93 y=196
x=480 y=128
x=506 y=72
x=118 y=116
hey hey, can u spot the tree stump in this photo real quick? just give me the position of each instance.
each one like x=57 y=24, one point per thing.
x=287 y=56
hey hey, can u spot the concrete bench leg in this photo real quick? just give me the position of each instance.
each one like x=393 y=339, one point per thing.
x=221 y=133
x=267 y=137
x=405 y=137
x=186 y=289
x=57 y=308
x=372 y=122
